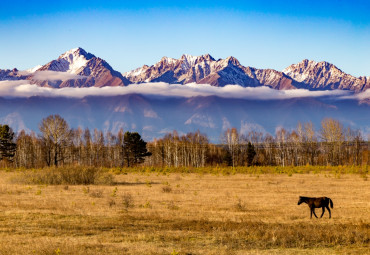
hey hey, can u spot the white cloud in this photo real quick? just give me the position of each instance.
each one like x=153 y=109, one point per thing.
x=359 y=96
x=25 y=89
x=54 y=76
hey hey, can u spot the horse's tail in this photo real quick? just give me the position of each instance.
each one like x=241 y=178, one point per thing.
x=331 y=203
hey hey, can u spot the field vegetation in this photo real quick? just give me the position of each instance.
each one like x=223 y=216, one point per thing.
x=147 y=210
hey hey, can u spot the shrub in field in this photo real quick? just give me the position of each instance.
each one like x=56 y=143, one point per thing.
x=127 y=200
x=146 y=205
x=166 y=189
x=114 y=192
x=96 y=193
x=111 y=202
x=240 y=205
x=65 y=176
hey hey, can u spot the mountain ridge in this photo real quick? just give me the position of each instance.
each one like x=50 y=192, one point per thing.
x=92 y=71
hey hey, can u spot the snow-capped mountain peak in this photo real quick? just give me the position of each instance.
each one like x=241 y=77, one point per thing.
x=89 y=70
x=73 y=60
x=189 y=61
x=232 y=60
x=168 y=60
x=323 y=75
x=77 y=52
x=193 y=60
x=70 y=52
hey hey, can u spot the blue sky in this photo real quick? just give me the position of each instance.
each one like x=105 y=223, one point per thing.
x=263 y=34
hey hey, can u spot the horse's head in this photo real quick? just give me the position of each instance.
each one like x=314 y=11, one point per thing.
x=300 y=201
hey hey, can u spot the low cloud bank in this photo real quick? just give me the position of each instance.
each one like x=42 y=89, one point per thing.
x=23 y=88
x=55 y=76
x=360 y=96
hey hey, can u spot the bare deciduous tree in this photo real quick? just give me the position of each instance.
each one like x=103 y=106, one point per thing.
x=55 y=134
x=332 y=134
x=231 y=139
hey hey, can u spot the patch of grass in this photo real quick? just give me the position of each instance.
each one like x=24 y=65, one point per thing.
x=148 y=183
x=172 y=206
x=226 y=171
x=86 y=190
x=146 y=205
x=128 y=201
x=65 y=175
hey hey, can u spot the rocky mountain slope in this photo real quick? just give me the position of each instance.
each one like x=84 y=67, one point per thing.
x=206 y=70
x=325 y=76
x=11 y=75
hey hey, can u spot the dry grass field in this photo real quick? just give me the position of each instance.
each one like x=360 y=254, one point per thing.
x=186 y=214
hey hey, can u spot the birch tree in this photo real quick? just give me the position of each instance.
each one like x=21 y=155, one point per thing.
x=55 y=134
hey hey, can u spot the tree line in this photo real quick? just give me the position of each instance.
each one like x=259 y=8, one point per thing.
x=332 y=144
x=59 y=145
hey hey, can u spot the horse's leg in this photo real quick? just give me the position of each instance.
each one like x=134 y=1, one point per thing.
x=327 y=207
x=311 y=213
x=323 y=210
x=313 y=210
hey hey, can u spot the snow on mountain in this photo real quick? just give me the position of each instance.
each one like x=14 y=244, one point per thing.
x=189 y=61
x=34 y=69
x=169 y=61
x=72 y=61
x=76 y=59
x=205 y=69
x=137 y=71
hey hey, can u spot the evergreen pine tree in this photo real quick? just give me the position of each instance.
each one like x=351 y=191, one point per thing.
x=251 y=153
x=7 y=145
x=134 y=149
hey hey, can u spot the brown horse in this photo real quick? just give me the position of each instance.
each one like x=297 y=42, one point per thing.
x=317 y=202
